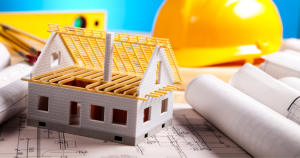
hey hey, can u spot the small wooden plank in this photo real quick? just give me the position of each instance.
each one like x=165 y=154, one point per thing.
x=223 y=73
x=179 y=97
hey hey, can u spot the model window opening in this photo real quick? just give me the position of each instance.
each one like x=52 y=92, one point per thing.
x=119 y=117
x=43 y=103
x=55 y=59
x=97 y=113
x=164 y=105
x=147 y=114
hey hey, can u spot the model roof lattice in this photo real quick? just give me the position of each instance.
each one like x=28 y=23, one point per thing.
x=131 y=53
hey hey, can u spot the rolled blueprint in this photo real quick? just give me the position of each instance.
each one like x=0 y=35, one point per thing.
x=291 y=43
x=14 y=73
x=13 y=99
x=13 y=91
x=268 y=91
x=259 y=130
x=4 y=57
x=282 y=64
x=293 y=82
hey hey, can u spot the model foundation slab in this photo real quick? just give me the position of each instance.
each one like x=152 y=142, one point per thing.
x=121 y=90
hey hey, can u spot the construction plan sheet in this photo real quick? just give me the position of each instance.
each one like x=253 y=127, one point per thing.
x=190 y=136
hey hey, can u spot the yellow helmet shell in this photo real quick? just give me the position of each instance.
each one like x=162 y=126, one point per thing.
x=208 y=32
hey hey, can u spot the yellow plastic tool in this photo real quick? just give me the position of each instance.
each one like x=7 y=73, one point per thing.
x=37 y=22
x=210 y=32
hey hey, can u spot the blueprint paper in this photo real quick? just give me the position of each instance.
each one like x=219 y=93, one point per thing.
x=293 y=82
x=261 y=131
x=5 y=57
x=13 y=99
x=267 y=90
x=13 y=91
x=282 y=64
x=14 y=73
x=190 y=136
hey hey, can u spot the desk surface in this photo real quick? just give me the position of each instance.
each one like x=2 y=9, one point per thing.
x=223 y=73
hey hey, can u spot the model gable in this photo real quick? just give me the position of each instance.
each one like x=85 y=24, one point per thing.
x=157 y=75
x=54 y=49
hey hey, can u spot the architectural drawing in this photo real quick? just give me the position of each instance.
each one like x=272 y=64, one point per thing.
x=110 y=86
x=190 y=136
x=294 y=111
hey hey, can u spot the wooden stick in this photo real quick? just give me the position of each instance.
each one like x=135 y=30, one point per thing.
x=32 y=46
x=5 y=26
x=18 y=49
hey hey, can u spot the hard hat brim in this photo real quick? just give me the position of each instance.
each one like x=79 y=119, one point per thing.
x=198 y=57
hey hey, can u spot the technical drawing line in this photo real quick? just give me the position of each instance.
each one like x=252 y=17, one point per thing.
x=197 y=142
x=209 y=127
x=213 y=131
x=179 y=134
x=290 y=111
x=140 y=149
x=19 y=137
x=65 y=143
x=176 y=146
x=293 y=103
x=59 y=137
x=200 y=139
x=294 y=115
x=13 y=104
x=38 y=142
x=62 y=141
x=27 y=147
x=156 y=140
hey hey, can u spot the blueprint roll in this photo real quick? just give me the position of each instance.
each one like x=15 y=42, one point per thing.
x=259 y=130
x=293 y=82
x=291 y=43
x=4 y=57
x=14 y=73
x=267 y=90
x=13 y=99
x=282 y=64
x=13 y=91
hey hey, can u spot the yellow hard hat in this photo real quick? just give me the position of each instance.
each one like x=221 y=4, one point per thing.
x=209 y=32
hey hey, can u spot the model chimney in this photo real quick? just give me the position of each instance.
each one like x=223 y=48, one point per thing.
x=108 y=57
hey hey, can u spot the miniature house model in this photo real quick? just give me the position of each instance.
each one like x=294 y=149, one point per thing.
x=109 y=86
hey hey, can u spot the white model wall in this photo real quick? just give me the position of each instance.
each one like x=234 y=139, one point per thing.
x=54 y=44
x=148 y=83
x=59 y=106
x=156 y=117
